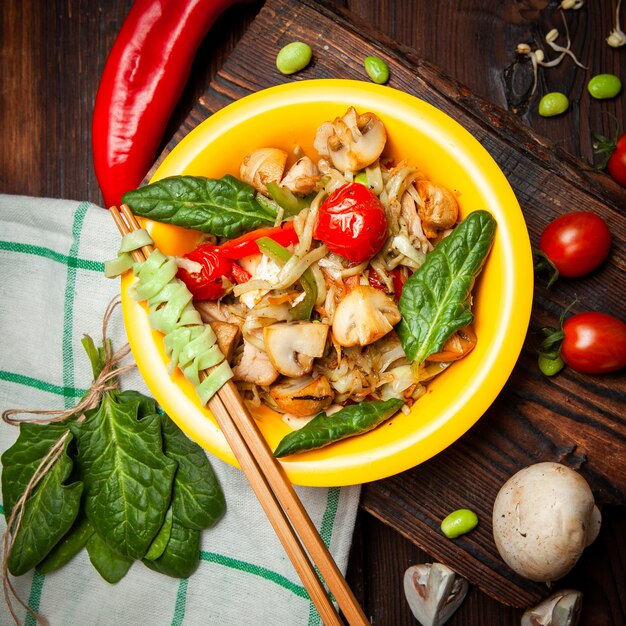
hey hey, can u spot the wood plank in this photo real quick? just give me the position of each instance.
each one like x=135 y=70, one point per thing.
x=572 y=418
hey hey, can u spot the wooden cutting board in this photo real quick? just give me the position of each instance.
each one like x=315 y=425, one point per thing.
x=574 y=419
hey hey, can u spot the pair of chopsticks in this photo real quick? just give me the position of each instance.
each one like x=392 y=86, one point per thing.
x=276 y=494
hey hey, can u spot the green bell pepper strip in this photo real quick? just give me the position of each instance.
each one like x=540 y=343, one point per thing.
x=280 y=255
x=287 y=200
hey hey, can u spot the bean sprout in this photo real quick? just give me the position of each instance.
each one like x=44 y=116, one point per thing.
x=617 y=37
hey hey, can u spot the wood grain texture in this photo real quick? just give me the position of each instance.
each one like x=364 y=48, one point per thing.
x=51 y=56
x=533 y=419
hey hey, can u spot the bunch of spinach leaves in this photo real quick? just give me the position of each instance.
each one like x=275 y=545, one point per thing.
x=128 y=485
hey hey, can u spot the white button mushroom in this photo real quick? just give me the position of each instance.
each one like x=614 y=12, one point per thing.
x=353 y=141
x=543 y=518
x=262 y=166
x=434 y=592
x=292 y=346
x=560 y=609
x=365 y=315
x=303 y=396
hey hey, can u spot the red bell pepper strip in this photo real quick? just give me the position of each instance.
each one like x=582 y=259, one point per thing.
x=246 y=245
x=142 y=81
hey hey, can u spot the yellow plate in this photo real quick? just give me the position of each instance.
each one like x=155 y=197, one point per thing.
x=286 y=116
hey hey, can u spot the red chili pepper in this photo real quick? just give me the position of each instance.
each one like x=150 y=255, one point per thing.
x=246 y=245
x=141 y=84
x=208 y=282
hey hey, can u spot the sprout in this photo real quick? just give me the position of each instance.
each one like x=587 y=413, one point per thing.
x=617 y=37
x=571 y=4
x=551 y=38
x=537 y=56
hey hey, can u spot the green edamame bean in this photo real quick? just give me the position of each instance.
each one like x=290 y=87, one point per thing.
x=376 y=69
x=458 y=523
x=293 y=57
x=553 y=103
x=603 y=86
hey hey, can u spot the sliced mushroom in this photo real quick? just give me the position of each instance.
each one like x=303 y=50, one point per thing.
x=353 y=141
x=438 y=209
x=265 y=165
x=228 y=337
x=303 y=396
x=255 y=367
x=363 y=316
x=434 y=592
x=560 y=609
x=292 y=346
x=302 y=177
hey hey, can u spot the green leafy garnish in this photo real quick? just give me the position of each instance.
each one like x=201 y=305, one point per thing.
x=225 y=207
x=323 y=429
x=436 y=300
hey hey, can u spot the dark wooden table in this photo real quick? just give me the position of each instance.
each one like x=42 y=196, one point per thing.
x=52 y=54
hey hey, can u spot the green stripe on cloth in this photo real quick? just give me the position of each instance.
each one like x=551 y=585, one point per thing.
x=42 y=385
x=181 y=603
x=70 y=292
x=256 y=570
x=47 y=253
x=34 y=599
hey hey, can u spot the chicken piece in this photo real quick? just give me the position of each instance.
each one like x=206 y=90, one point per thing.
x=438 y=209
x=228 y=337
x=216 y=311
x=302 y=177
x=262 y=166
x=254 y=367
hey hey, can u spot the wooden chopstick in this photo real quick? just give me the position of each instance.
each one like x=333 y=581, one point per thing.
x=273 y=489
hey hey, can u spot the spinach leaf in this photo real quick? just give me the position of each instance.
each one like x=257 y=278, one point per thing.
x=181 y=555
x=108 y=563
x=198 y=501
x=52 y=506
x=69 y=546
x=157 y=547
x=436 y=300
x=128 y=478
x=21 y=460
x=349 y=421
x=226 y=207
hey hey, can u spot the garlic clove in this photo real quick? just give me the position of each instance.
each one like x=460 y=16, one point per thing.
x=560 y=609
x=434 y=592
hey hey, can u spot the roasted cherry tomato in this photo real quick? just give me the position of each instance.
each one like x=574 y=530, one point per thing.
x=616 y=165
x=352 y=223
x=594 y=343
x=208 y=283
x=576 y=243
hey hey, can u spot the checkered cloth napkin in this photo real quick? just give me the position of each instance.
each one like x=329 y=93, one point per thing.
x=52 y=292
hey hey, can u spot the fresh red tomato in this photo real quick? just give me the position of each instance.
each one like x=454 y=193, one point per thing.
x=246 y=245
x=352 y=223
x=576 y=243
x=208 y=283
x=594 y=343
x=616 y=165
